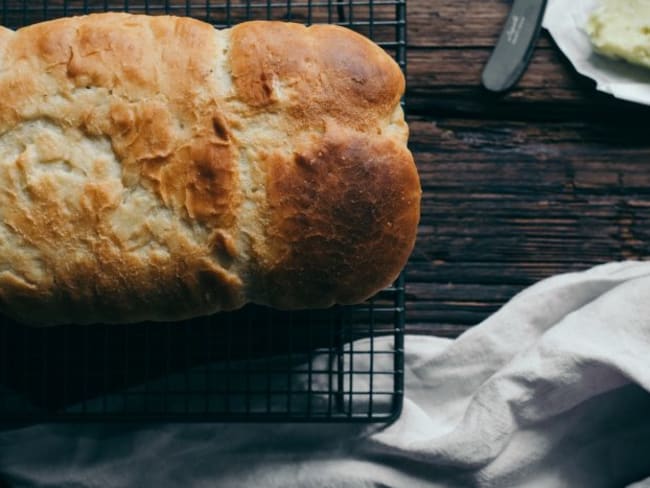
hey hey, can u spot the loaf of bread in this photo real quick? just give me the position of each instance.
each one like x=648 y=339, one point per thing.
x=155 y=168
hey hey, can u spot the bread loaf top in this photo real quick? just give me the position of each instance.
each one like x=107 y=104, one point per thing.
x=154 y=168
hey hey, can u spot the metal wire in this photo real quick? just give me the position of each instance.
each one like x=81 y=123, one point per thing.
x=256 y=364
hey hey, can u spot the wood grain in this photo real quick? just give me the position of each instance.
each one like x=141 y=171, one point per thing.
x=450 y=42
x=509 y=202
x=456 y=23
x=447 y=80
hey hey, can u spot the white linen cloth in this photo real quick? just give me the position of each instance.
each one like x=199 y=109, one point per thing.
x=550 y=391
x=565 y=21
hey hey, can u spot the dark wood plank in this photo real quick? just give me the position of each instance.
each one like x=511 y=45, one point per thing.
x=450 y=42
x=458 y=23
x=446 y=66
x=455 y=22
x=507 y=203
x=447 y=81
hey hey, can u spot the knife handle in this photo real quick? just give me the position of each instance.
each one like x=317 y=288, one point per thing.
x=515 y=45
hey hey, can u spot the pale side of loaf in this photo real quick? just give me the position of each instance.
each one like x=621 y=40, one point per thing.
x=154 y=168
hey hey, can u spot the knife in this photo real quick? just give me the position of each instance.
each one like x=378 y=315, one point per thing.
x=515 y=46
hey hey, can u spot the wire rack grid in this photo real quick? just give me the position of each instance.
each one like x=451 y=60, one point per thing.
x=384 y=21
x=256 y=364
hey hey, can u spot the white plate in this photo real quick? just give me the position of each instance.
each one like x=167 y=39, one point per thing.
x=565 y=20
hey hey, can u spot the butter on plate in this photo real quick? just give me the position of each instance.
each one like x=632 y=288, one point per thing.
x=621 y=29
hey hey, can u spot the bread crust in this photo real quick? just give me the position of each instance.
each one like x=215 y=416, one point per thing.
x=154 y=168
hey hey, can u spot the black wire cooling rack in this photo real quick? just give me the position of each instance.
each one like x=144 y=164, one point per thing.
x=342 y=364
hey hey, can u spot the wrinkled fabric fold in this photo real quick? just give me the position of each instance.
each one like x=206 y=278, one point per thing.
x=550 y=391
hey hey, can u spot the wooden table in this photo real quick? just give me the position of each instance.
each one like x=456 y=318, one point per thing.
x=551 y=178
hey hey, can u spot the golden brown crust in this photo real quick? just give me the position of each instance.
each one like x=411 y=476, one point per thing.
x=328 y=234
x=342 y=192
x=324 y=71
x=120 y=230
x=154 y=168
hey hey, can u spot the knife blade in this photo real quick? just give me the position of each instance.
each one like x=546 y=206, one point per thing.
x=515 y=46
